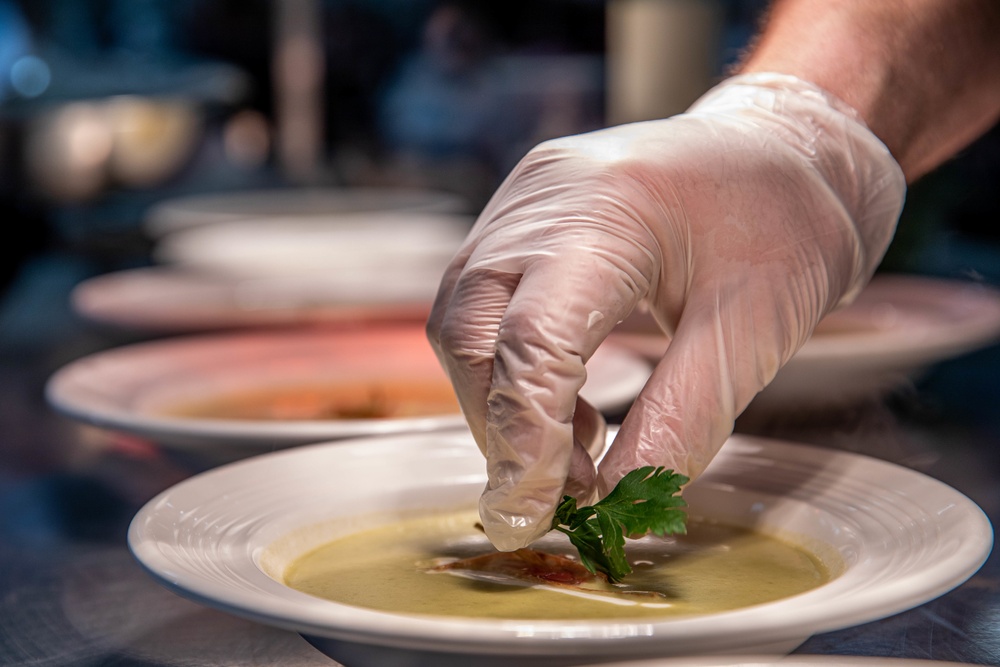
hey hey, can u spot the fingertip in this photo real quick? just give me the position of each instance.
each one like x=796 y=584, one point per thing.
x=507 y=530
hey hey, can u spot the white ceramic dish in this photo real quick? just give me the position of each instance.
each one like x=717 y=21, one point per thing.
x=374 y=246
x=173 y=300
x=786 y=661
x=898 y=326
x=178 y=213
x=127 y=389
x=903 y=537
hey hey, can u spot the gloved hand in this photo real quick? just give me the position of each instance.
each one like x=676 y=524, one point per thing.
x=740 y=223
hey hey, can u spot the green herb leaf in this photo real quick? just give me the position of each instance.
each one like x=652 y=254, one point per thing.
x=644 y=501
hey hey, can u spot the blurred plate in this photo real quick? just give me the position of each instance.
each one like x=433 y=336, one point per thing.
x=171 y=215
x=350 y=268
x=898 y=326
x=358 y=248
x=223 y=538
x=170 y=300
x=141 y=389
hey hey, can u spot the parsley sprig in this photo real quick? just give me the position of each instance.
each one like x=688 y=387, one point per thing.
x=644 y=501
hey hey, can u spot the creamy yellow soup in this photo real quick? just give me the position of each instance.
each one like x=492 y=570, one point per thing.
x=713 y=568
x=345 y=400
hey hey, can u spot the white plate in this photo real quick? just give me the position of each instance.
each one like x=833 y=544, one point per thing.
x=896 y=328
x=786 y=661
x=126 y=389
x=178 y=213
x=280 y=270
x=904 y=539
x=375 y=246
x=172 y=300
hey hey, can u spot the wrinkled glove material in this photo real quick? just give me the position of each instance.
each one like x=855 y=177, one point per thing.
x=739 y=224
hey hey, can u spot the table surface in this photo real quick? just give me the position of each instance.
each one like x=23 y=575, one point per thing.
x=71 y=593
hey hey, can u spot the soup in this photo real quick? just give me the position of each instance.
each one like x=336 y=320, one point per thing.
x=713 y=568
x=346 y=400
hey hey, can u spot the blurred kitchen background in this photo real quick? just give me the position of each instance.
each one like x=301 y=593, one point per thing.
x=108 y=107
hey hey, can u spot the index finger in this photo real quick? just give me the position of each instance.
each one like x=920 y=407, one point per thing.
x=558 y=314
x=462 y=329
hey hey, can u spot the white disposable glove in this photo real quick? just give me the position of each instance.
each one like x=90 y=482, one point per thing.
x=741 y=223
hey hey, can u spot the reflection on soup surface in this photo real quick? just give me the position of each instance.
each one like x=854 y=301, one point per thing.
x=347 y=400
x=713 y=568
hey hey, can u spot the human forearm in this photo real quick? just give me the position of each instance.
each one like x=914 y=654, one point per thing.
x=923 y=74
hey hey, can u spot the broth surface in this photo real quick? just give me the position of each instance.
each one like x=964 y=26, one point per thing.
x=347 y=400
x=713 y=568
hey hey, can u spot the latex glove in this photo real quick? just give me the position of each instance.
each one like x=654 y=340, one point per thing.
x=740 y=223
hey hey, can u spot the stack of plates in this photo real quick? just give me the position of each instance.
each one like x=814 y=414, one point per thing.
x=283 y=257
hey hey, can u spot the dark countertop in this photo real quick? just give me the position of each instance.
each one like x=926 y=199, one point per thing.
x=71 y=594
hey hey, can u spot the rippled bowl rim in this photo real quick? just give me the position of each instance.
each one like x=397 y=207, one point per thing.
x=785 y=661
x=238 y=585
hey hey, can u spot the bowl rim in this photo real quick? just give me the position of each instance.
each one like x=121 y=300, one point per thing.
x=832 y=606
